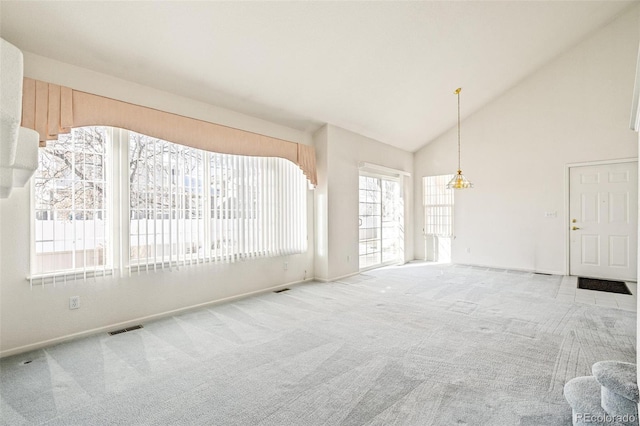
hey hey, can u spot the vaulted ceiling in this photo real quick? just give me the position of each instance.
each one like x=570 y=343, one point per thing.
x=386 y=70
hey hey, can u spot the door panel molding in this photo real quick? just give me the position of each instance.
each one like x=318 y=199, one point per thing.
x=588 y=241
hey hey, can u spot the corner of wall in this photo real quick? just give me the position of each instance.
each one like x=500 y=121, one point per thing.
x=321 y=220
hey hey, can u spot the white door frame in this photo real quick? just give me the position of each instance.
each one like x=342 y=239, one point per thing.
x=567 y=232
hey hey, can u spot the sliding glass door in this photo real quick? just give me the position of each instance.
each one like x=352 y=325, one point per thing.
x=381 y=221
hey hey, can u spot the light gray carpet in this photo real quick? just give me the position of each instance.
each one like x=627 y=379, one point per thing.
x=413 y=345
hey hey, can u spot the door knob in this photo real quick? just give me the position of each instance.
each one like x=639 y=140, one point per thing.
x=575 y=228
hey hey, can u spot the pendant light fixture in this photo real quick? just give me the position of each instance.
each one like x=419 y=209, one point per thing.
x=459 y=181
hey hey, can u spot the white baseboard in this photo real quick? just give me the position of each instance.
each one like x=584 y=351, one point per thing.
x=533 y=271
x=129 y=323
x=329 y=280
x=125 y=324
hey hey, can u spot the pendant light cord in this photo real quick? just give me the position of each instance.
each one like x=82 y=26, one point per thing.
x=457 y=92
x=459 y=181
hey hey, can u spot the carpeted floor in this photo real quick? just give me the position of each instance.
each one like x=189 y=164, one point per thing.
x=414 y=345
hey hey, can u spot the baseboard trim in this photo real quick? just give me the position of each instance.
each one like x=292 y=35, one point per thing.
x=148 y=318
x=330 y=280
x=362 y=271
x=50 y=342
x=533 y=271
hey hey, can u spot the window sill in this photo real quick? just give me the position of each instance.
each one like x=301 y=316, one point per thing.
x=68 y=275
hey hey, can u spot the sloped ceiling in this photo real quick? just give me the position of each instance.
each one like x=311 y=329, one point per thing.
x=386 y=70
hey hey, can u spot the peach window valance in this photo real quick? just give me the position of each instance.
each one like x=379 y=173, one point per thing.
x=51 y=110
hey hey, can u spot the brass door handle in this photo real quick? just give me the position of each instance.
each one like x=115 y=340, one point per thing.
x=575 y=228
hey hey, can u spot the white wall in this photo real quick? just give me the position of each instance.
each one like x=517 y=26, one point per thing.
x=515 y=150
x=29 y=318
x=343 y=151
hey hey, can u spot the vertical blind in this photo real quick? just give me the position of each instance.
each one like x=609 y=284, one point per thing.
x=190 y=206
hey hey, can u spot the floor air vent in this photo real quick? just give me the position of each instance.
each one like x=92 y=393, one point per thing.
x=281 y=290
x=124 y=330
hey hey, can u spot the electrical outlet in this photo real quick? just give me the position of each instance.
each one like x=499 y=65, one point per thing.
x=74 y=302
x=348 y=258
x=468 y=249
x=286 y=265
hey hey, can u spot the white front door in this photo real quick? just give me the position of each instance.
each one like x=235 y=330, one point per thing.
x=603 y=209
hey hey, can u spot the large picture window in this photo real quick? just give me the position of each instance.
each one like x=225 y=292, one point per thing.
x=177 y=205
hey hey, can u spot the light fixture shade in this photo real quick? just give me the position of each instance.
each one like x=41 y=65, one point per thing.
x=459 y=182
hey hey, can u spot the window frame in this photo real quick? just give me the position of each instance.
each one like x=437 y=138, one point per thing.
x=83 y=272
x=118 y=226
x=443 y=194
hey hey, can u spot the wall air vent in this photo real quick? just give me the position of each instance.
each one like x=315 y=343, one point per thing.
x=124 y=330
